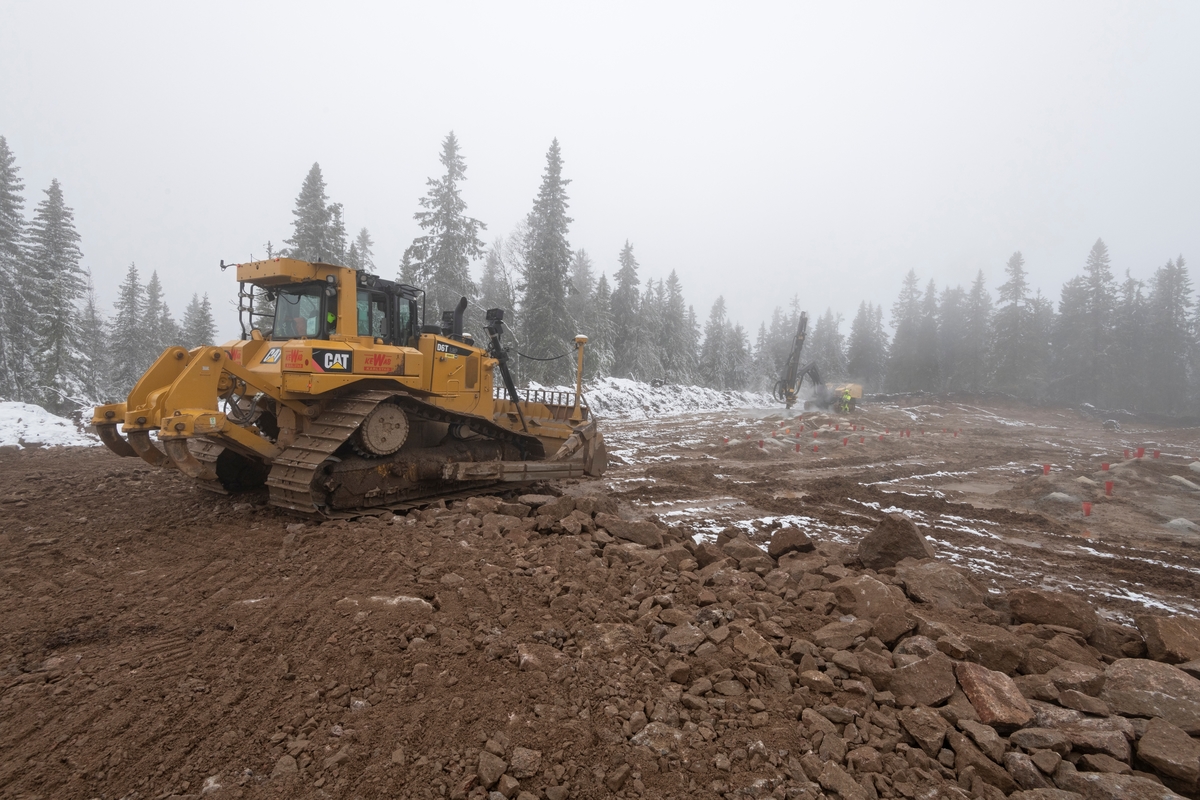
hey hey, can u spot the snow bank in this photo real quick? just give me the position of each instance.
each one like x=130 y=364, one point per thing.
x=24 y=425
x=621 y=397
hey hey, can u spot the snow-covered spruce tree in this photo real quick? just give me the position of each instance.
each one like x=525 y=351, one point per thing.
x=310 y=239
x=1101 y=299
x=198 y=326
x=978 y=341
x=928 y=375
x=866 y=348
x=648 y=361
x=675 y=343
x=1041 y=321
x=826 y=346
x=128 y=342
x=694 y=332
x=1011 y=350
x=336 y=236
x=92 y=369
x=364 y=247
x=738 y=359
x=904 y=355
x=161 y=330
x=579 y=292
x=1130 y=350
x=598 y=357
x=545 y=322
x=16 y=318
x=498 y=284
x=442 y=255
x=762 y=368
x=1071 y=350
x=626 y=303
x=58 y=280
x=408 y=271
x=777 y=346
x=714 y=357
x=951 y=338
x=1171 y=339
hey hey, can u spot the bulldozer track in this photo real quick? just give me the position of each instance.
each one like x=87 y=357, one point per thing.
x=293 y=472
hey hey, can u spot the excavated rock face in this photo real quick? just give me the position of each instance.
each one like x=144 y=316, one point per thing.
x=894 y=539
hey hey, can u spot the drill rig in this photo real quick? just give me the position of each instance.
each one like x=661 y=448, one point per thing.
x=341 y=401
x=788 y=387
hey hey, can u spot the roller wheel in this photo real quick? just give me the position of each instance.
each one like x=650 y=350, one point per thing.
x=382 y=433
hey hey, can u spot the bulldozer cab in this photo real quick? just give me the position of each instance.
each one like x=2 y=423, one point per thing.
x=385 y=312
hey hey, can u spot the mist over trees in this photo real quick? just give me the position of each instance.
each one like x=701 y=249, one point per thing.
x=1112 y=337
x=57 y=347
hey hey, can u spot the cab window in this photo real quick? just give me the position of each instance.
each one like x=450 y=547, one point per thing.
x=405 y=314
x=297 y=313
x=372 y=315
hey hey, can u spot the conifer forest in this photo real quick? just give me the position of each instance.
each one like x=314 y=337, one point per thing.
x=1116 y=336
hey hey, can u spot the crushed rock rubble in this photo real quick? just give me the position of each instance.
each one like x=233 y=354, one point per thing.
x=551 y=647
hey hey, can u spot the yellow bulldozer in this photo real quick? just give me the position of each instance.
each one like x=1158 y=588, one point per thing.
x=342 y=400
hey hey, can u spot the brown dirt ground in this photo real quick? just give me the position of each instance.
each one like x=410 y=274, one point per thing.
x=160 y=640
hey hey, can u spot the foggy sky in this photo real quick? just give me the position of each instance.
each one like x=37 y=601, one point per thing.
x=761 y=150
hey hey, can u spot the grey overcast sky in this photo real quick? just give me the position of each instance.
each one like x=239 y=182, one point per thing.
x=760 y=149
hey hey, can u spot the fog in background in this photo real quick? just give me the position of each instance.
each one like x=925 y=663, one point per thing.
x=761 y=150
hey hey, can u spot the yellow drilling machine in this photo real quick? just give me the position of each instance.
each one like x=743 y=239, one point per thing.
x=341 y=400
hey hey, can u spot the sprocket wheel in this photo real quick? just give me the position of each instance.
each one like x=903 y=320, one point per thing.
x=382 y=433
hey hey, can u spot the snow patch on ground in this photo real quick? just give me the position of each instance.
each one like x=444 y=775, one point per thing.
x=26 y=425
x=621 y=397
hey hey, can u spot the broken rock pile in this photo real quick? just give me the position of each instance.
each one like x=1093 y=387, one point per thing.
x=672 y=668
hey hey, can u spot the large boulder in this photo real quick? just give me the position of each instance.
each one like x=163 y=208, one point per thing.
x=966 y=754
x=840 y=634
x=863 y=596
x=927 y=682
x=1110 y=785
x=994 y=647
x=1137 y=687
x=788 y=540
x=926 y=726
x=742 y=548
x=940 y=585
x=1171 y=639
x=1171 y=752
x=638 y=532
x=1118 y=641
x=1053 y=608
x=894 y=539
x=557 y=507
x=994 y=696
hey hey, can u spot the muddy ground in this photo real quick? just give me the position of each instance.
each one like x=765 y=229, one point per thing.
x=981 y=495
x=159 y=640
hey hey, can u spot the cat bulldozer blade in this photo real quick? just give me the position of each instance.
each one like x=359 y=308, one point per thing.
x=340 y=401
